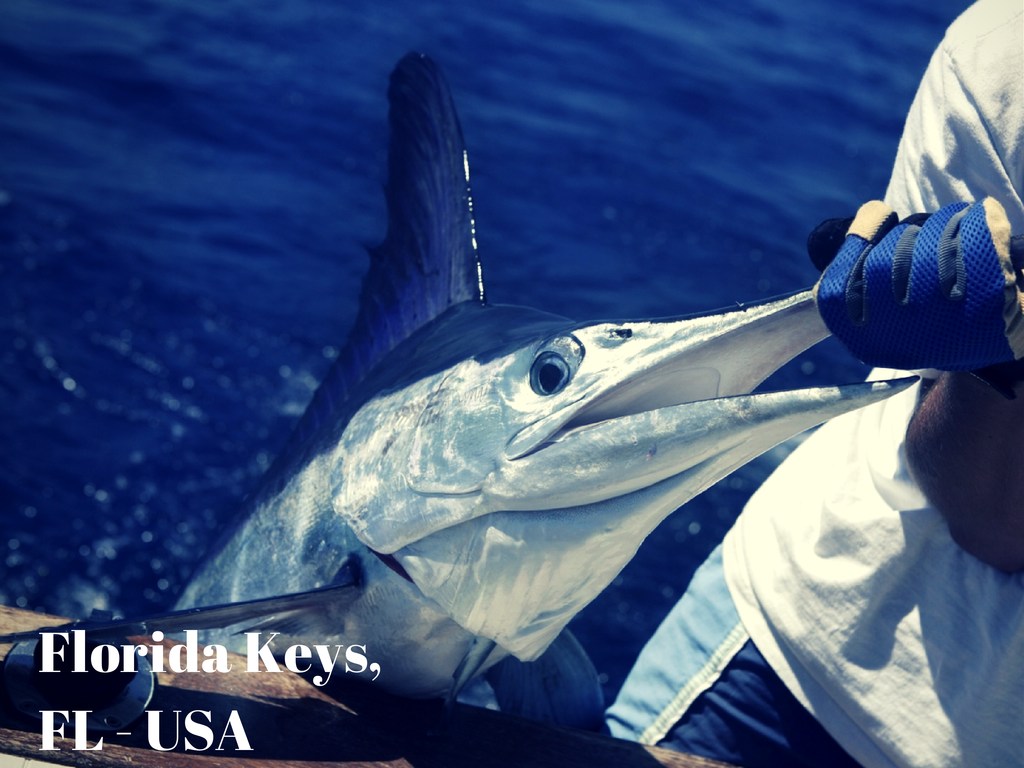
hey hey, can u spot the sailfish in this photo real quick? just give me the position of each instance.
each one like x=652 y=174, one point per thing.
x=470 y=475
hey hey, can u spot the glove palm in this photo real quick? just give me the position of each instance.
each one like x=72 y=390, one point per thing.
x=937 y=292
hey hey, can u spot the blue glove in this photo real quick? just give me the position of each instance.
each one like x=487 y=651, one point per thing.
x=936 y=291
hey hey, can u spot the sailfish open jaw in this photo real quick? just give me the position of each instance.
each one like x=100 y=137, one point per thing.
x=680 y=398
x=654 y=414
x=596 y=462
x=655 y=364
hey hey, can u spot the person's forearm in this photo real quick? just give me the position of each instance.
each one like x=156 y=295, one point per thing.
x=965 y=446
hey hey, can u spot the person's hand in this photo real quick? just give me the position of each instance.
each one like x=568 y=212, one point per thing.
x=938 y=291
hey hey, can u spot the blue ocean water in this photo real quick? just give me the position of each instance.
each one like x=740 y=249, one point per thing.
x=186 y=189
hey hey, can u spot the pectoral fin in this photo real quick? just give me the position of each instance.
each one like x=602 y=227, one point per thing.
x=261 y=611
x=560 y=687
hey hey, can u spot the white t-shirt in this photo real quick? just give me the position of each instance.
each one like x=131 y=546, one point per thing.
x=907 y=649
x=964 y=135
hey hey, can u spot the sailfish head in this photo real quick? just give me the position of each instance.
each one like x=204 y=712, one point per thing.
x=522 y=459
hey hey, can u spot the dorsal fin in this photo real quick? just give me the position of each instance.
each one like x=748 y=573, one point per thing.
x=428 y=260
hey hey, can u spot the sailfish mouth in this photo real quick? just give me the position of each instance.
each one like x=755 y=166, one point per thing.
x=592 y=461
x=668 y=386
x=686 y=361
x=654 y=392
x=681 y=405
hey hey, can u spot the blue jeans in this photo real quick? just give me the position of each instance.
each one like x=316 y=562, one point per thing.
x=701 y=686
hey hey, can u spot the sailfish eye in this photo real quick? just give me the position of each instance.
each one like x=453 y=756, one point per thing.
x=549 y=374
x=555 y=364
